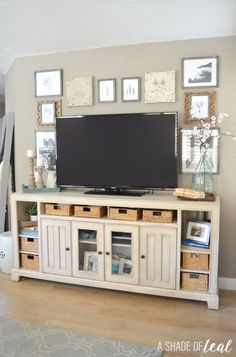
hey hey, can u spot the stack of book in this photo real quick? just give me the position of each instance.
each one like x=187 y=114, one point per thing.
x=28 y=228
x=189 y=194
x=194 y=244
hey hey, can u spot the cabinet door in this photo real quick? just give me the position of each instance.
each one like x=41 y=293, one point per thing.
x=56 y=246
x=121 y=259
x=158 y=257
x=88 y=251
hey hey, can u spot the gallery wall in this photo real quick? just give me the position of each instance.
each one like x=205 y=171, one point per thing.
x=132 y=61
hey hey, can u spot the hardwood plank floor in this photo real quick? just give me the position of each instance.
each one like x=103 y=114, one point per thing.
x=130 y=317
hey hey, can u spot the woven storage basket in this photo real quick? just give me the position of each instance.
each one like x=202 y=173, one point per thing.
x=90 y=211
x=29 y=244
x=195 y=261
x=29 y=261
x=59 y=210
x=195 y=281
x=155 y=215
x=126 y=214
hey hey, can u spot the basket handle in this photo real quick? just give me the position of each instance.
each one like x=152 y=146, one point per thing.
x=86 y=209
x=122 y=211
x=157 y=213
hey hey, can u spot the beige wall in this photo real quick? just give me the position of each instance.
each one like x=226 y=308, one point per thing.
x=118 y=62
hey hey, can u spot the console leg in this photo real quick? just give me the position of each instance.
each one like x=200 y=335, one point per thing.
x=15 y=276
x=213 y=302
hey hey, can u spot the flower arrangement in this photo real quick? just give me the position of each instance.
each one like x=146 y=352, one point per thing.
x=204 y=132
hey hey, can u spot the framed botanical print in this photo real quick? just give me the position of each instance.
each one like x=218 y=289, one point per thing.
x=107 y=90
x=199 y=106
x=48 y=83
x=46 y=112
x=131 y=89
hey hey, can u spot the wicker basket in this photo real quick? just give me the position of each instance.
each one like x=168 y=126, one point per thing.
x=195 y=261
x=29 y=244
x=126 y=214
x=29 y=261
x=155 y=215
x=90 y=211
x=195 y=281
x=59 y=210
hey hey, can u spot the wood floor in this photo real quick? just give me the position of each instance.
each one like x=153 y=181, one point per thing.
x=131 y=317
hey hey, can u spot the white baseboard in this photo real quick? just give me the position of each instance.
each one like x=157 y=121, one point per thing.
x=227 y=283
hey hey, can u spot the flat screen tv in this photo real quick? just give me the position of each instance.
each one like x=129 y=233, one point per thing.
x=117 y=151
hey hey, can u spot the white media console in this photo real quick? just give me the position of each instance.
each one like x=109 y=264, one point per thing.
x=129 y=255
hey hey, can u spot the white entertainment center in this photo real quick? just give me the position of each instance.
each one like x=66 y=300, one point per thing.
x=120 y=254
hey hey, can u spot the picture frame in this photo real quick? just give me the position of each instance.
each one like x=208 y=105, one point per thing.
x=79 y=91
x=107 y=90
x=199 y=232
x=131 y=89
x=48 y=83
x=200 y=72
x=125 y=266
x=45 y=146
x=46 y=112
x=199 y=105
x=159 y=87
x=190 y=151
x=91 y=261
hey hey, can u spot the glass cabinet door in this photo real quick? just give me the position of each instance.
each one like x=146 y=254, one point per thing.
x=122 y=253
x=88 y=250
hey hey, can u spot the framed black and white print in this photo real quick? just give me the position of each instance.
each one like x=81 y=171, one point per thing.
x=190 y=151
x=48 y=83
x=45 y=143
x=131 y=89
x=107 y=90
x=200 y=72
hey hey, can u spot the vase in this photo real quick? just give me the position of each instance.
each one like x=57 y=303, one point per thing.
x=51 y=179
x=33 y=218
x=202 y=179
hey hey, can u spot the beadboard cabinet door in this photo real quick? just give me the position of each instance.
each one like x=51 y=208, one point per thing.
x=56 y=246
x=158 y=257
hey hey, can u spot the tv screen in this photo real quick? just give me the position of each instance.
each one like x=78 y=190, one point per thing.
x=137 y=150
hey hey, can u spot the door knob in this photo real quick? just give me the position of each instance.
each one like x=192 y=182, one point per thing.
x=99 y=252
x=67 y=249
x=143 y=256
x=107 y=253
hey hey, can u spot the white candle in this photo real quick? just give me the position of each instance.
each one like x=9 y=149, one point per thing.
x=30 y=153
x=39 y=162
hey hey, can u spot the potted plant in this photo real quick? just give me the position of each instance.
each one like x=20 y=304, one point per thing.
x=32 y=211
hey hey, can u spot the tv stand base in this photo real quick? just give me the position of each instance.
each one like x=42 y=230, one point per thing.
x=115 y=191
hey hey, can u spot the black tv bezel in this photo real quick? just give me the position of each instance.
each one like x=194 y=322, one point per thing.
x=105 y=189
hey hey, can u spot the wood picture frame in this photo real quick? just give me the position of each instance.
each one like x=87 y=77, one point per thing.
x=48 y=83
x=44 y=120
x=200 y=72
x=199 y=105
